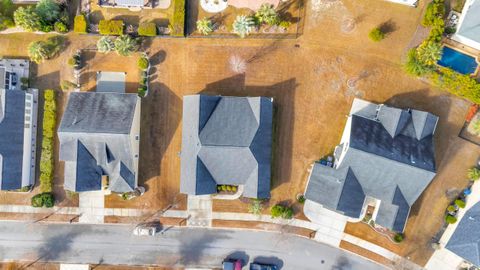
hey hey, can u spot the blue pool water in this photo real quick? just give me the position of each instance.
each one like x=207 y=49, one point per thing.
x=458 y=61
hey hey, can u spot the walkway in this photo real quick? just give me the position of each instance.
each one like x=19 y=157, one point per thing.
x=199 y=210
x=91 y=205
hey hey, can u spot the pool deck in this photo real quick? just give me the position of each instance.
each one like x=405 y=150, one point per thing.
x=465 y=50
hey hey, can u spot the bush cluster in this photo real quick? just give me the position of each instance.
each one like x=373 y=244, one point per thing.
x=281 y=211
x=398 y=238
x=147 y=29
x=46 y=158
x=178 y=21
x=80 y=24
x=450 y=219
x=6 y=14
x=46 y=16
x=111 y=27
x=38 y=51
x=43 y=199
x=458 y=84
x=228 y=188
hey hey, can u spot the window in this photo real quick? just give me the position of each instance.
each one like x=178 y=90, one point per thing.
x=28 y=97
x=27 y=118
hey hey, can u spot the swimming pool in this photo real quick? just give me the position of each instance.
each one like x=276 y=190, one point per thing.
x=458 y=61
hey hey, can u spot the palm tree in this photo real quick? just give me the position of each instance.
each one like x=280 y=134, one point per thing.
x=267 y=14
x=126 y=45
x=105 y=45
x=473 y=174
x=205 y=26
x=414 y=66
x=38 y=51
x=243 y=25
x=429 y=52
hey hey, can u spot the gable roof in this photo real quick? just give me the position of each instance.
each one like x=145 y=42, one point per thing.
x=12 y=138
x=88 y=153
x=226 y=140
x=465 y=241
x=393 y=169
x=92 y=112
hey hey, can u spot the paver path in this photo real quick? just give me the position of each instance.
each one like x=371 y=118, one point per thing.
x=199 y=209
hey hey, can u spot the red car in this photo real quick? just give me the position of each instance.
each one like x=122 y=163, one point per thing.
x=232 y=264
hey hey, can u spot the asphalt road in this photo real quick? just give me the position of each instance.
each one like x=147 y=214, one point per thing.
x=115 y=244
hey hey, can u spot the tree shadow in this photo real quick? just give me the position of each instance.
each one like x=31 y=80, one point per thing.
x=283 y=95
x=388 y=27
x=57 y=245
x=158 y=58
x=128 y=19
x=193 y=247
x=342 y=263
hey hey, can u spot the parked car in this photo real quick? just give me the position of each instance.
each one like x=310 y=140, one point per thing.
x=261 y=266
x=232 y=264
x=147 y=229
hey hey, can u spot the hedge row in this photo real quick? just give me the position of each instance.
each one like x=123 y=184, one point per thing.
x=178 y=20
x=46 y=158
x=147 y=29
x=111 y=27
x=80 y=24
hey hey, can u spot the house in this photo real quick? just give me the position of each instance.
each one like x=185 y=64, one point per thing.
x=468 y=28
x=18 y=127
x=385 y=160
x=99 y=141
x=226 y=141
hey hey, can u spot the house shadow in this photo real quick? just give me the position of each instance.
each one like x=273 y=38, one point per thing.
x=283 y=95
x=160 y=117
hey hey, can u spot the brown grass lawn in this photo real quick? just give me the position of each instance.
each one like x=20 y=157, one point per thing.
x=307 y=79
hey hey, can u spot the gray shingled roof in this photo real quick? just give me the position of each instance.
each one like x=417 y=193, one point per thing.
x=93 y=112
x=470 y=27
x=226 y=140
x=11 y=140
x=465 y=241
x=91 y=150
x=394 y=170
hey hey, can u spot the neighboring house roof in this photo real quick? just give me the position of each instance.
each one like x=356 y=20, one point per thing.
x=390 y=157
x=226 y=140
x=95 y=140
x=468 y=31
x=465 y=241
x=12 y=138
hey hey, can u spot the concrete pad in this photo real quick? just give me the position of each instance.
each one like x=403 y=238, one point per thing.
x=65 y=266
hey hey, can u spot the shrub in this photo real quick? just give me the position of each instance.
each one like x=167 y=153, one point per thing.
x=285 y=24
x=80 y=24
x=301 y=199
x=224 y=188
x=111 y=27
x=429 y=52
x=398 y=237
x=229 y=188
x=255 y=207
x=288 y=213
x=450 y=219
x=205 y=26
x=450 y=30
x=105 y=45
x=473 y=173
x=178 y=21
x=27 y=18
x=48 y=10
x=243 y=25
x=143 y=63
x=141 y=93
x=234 y=188
x=376 y=34
x=451 y=208
x=24 y=80
x=277 y=211
x=435 y=10
x=43 y=199
x=147 y=29
x=71 y=61
x=38 y=51
x=460 y=203
x=60 y=27
x=414 y=66
x=46 y=157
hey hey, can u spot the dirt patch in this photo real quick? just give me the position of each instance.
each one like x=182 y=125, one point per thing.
x=129 y=220
x=39 y=217
x=263 y=226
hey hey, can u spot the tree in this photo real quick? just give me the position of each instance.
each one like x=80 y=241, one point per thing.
x=376 y=34
x=38 y=51
x=435 y=9
x=255 y=207
x=473 y=174
x=105 y=44
x=267 y=14
x=243 y=25
x=457 y=84
x=414 y=66
x=126 y=45
x=48 y=10
x=205 y=26
x=6 y=13
x=429 y=52
x=27 y=18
